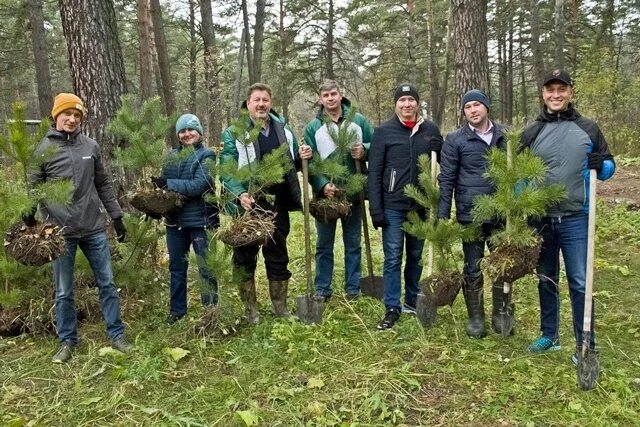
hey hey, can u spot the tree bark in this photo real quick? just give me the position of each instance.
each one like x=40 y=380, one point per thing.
x=193 y=57
x=558 y=57
x=536 y=50
x=163 y=59
x=470 y=53
x=258 y=39
x=211 y=71
x=237 y=81
x=411 y=41
x=146 y=57
x=38 y=43
x=247 y=41
x=329 y=73
x=97 y=67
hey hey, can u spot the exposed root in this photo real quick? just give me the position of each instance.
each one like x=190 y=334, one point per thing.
x=35 y=245
x=327 y=210
x=252 y=228
x=212 y=326
x=444 y=286
x=509 y=263
x=156 y=201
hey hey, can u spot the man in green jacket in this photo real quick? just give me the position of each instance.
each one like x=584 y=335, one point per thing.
x=333 y=110
x=273 y=134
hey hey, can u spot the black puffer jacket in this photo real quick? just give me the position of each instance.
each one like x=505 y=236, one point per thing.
x=393 y=162
x=462 y=167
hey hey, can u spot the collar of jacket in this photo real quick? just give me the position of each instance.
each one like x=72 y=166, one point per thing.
x=415 y=129
x=195 y=145
x=58 y=134
x=569 y=114
x=346 y=106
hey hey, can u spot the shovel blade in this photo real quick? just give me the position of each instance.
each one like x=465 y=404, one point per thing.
x=371 y=286
x=506 y=316
x=426 y=310
x=310 y=309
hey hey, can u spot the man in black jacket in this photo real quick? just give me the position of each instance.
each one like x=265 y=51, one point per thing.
x=462 y=169
x=393 y=163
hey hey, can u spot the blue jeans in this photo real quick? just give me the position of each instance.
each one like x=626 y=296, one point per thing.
x=474 y=251
x=179 y=240
x=326 y=236
x=96 y=249
x=393 y=242
x=569 y=235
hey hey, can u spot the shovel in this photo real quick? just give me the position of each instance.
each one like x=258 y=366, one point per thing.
x=588 y=368
x=370 y=285
x=426 y=308
x=506 y=311
x=310 y=307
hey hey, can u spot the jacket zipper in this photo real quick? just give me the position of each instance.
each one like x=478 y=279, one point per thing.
x=392 y=180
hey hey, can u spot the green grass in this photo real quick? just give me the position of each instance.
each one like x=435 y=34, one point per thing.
x=343 y=372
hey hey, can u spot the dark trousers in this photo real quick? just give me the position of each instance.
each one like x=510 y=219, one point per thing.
x=474 y=251
x=276 y=257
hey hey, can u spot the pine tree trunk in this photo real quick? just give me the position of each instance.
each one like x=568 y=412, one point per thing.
x=411 y=42
x=470 y=53
x=258 y=39
x=329 y=73
x=247 y=41
x=163 y=58
x=283 y=41
x=536 y=50
x=211 y=71
x=237 y=81
x=558 y=56
x=97 y=67
x=146 y=58
x=38 y=43
x=193 y=57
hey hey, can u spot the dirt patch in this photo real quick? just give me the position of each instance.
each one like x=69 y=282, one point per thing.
x=623 y=187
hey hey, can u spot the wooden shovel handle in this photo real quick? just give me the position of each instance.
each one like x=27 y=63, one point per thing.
x=591 y=246
x=307 y=226
x=365 y=225
x=434 y=174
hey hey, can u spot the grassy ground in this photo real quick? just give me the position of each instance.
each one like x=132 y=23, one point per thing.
x=342 y=372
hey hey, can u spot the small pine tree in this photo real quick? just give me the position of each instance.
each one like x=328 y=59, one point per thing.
x=144 y=128
x=520 y=194
x=18 y=198
x=442 y=234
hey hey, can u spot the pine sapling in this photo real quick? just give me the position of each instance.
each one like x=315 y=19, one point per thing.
x=520 y=194
x=257 y=176
x=334 y=167
x=445 y=279
x=40 y=242
x=144 y=127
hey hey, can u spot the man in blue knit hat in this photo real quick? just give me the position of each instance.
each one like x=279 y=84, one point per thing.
x=462 y=167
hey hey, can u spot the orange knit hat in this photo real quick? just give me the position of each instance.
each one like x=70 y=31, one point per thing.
x=65 y=101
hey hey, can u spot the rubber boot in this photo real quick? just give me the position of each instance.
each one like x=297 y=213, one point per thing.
x=498 y=300
x=249 y=299
x=278 y=294
x=474 y=299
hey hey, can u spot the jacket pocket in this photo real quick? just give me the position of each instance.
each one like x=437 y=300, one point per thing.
x=392 y=180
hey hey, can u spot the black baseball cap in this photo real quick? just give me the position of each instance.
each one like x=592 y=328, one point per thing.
x=557 y=75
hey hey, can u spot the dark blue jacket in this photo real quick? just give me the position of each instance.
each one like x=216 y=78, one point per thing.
x=462 y=166
x=393 y=162
x=191 y=177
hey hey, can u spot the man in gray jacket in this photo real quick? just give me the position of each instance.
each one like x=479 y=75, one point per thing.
x=77 y=157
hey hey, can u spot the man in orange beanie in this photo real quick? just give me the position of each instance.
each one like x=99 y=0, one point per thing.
x=78 y=157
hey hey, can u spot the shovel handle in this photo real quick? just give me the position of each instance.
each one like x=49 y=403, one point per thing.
x=307 y=226
x=365 y=225
x=591 y=246
x=434 y=174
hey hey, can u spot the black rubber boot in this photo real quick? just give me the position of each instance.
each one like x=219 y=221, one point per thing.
x=249 y=299
x=278 y=293
x=474 y=299
x=497 y=316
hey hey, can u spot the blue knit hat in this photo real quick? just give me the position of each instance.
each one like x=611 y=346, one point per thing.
x=476 y=95
x=189 y=121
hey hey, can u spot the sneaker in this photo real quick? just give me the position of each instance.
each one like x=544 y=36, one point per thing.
x=543 y=344
x=64 y=353
x=173 y=318
x=122 y=344
x=409 y=309
x=389 y=320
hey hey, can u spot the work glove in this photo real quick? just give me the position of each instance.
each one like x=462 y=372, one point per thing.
x=121 y=231
x=595 y=161
x=379 y=220
x=29 y=218
x=435 y=145
x=159 y=182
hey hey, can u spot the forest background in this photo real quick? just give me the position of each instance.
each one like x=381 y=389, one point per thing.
x=200 y=56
